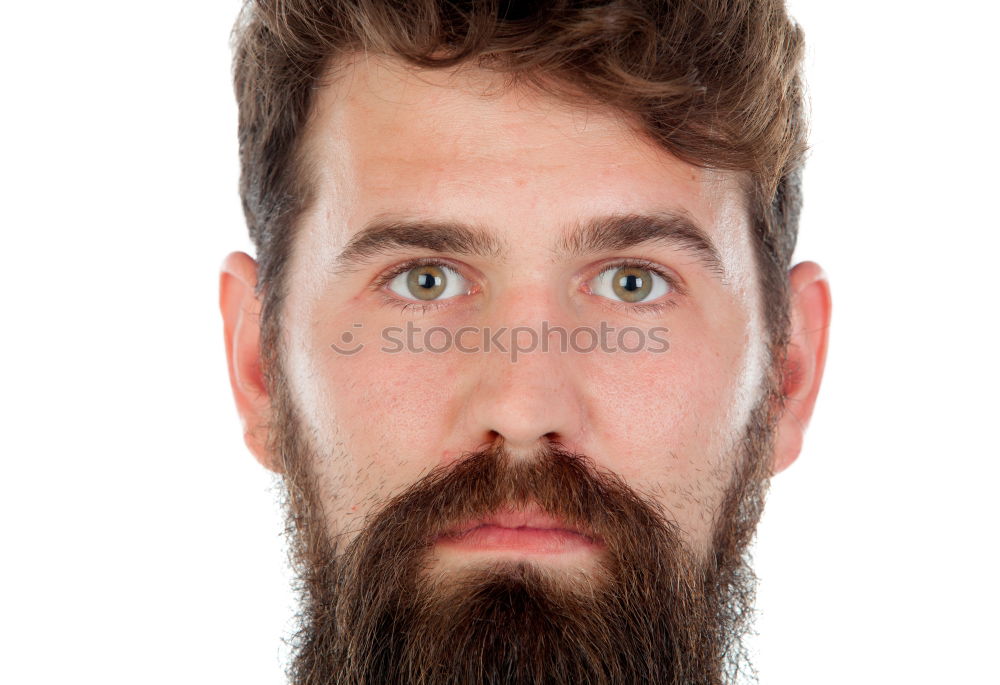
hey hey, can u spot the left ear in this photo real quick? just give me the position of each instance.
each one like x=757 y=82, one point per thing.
x=805 y=356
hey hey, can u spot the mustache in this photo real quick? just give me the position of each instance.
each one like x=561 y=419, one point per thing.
x=560 y=483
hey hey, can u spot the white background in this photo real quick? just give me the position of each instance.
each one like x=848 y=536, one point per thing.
x=140 y=541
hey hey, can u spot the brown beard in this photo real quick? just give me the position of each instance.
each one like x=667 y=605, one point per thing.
x=656 y=612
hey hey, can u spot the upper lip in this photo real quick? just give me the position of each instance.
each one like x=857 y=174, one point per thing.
x=527 y=517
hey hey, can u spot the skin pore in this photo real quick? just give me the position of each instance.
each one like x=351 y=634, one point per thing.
x=520 y=177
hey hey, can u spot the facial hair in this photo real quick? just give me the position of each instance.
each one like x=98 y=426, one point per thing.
x=650 y=611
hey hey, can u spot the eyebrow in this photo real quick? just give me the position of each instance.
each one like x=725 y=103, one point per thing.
x=620 y=232
x=599 y=234
x=386 y=234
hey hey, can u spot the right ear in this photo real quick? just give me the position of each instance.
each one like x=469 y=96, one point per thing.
x=241 y=319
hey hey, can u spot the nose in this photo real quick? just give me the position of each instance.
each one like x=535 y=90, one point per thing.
x=528 y=398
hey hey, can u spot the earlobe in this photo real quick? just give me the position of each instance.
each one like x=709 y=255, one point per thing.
x=805 y=357
x=241 y=321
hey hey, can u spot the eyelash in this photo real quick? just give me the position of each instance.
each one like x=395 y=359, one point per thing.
x=380 y=283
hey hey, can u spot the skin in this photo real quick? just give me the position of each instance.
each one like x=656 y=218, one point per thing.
x=449 y=145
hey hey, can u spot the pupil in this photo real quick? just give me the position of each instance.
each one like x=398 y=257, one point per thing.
x=426 y=280
x=632 y=282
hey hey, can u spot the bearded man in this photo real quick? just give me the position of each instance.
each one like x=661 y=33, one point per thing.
x=582 y=215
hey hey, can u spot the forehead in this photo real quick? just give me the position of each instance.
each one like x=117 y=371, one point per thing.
x=461 y=144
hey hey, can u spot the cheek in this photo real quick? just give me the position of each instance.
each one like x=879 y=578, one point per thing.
x=676 y=403
x=372 y=413
x=666 y=421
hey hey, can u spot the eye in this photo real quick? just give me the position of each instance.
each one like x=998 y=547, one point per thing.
x=629 y=283
x=428 y=282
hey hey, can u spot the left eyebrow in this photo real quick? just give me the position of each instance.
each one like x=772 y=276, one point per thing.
x=621 y=232
x=386 y=234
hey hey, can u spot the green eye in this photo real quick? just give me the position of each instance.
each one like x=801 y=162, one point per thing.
x=428 y=282
x=631 y=284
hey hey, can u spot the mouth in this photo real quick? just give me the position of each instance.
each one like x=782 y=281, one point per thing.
x=527 y=531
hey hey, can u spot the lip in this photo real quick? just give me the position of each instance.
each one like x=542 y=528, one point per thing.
x=528 y=530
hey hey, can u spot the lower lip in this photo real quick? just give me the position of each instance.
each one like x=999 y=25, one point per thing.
x=524 y=539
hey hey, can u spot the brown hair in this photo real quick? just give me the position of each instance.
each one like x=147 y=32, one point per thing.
x=715 y=82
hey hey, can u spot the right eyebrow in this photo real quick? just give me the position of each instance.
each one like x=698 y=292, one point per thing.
x=386 y=234
x=622 y=232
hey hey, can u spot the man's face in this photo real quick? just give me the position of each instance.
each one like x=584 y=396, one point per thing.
x=439 y=463
x=527 y=173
